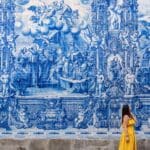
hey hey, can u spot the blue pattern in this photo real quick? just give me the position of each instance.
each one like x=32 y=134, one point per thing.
x=66 y=71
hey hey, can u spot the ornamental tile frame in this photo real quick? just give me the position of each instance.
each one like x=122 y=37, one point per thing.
x=66 y=68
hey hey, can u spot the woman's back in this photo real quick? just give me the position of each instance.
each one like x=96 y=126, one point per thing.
x=130 y=126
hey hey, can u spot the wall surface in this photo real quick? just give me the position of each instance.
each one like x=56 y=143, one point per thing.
x=67 y=67
x=60 y=144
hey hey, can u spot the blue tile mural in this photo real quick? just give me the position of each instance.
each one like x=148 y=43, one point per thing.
x=68 y=66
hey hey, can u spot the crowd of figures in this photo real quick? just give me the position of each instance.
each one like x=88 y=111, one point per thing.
x=61 y=55
x=35 y=67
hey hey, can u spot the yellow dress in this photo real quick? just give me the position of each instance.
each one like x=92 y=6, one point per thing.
x=131 y=144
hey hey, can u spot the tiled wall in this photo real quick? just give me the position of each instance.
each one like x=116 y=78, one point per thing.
x=69 y=66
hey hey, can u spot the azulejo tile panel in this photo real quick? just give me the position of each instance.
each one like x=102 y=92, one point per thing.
x=68 y=66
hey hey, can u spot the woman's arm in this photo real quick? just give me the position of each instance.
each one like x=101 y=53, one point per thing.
x=125 y=125
x=134 y=117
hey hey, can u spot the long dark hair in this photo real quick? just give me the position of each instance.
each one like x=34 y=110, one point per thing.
x=126 y=111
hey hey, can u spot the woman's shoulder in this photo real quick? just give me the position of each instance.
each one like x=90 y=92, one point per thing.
x=125 y=120
x=131 y=121
x=126 y=117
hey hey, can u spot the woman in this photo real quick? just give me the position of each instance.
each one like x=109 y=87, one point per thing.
x=128 y=139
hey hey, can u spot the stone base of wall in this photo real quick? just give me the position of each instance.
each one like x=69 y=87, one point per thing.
x=65 y=144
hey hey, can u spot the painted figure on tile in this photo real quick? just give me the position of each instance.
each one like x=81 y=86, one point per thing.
x=100 y=81
x=5 y=79
x=130 y=80
x=134 y=39
x=4 y=116
x=115 y=67
x=124 y=37
x=80 y=120
x=19 y=78
x=114 y=18
x=34 y=58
